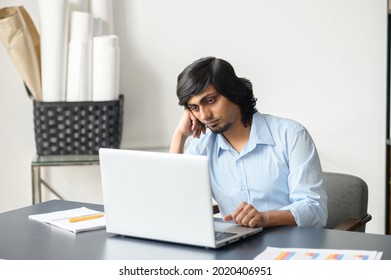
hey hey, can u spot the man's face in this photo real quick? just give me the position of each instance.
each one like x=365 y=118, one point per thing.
x=214 y=110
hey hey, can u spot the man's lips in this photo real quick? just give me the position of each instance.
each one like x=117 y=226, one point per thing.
x=212 y=123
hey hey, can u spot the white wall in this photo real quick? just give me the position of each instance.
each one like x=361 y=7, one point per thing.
x=321 y=62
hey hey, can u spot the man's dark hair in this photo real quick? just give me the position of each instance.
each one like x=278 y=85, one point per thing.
x=220 y=74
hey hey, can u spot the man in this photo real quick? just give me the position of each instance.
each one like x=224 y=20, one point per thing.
x=265 y=171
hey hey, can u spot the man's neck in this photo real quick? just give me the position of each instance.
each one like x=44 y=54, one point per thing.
x=238 y=136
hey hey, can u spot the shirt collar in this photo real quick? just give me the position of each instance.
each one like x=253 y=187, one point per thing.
x=259 y=134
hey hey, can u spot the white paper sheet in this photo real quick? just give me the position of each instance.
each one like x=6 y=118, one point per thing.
x=80 y=58
x=102 y=11
x=273 y=253
x=54 y=27
x=61 y=219
x=105 y=70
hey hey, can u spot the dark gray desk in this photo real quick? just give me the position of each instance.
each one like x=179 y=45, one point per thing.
x=21 y=238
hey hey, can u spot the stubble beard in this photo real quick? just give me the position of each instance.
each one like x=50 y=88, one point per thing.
x=222 y=129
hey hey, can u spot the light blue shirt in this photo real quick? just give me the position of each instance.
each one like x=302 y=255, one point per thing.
x=278 y=169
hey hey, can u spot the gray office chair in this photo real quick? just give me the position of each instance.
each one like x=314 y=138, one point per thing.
x=347 y=202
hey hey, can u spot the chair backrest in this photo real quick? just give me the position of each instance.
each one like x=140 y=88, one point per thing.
x=347 y=198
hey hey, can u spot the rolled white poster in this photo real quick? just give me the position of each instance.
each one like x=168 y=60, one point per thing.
x=80 y=58
x=105 y=68
x=54 y=27
x=102 y=11
x=78 y=5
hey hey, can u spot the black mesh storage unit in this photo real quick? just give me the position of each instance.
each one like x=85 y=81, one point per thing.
x=77 y=128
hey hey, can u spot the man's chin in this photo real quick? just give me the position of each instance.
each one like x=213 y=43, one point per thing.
x=220 y=129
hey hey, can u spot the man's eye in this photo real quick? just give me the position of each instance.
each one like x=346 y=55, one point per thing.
x=193 y=108
x=210 y=100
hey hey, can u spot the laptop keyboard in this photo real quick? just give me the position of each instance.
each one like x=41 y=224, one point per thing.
x=219 y=235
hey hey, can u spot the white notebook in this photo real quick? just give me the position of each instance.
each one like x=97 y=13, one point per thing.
x=74 y=220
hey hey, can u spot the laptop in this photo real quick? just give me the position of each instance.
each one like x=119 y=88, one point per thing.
x=163 y=196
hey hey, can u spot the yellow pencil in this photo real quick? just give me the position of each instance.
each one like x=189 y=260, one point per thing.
x=90 y=217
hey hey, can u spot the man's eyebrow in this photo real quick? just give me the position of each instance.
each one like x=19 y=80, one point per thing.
x=202 y=99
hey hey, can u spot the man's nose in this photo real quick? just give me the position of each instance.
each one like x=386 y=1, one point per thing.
x=205 y=114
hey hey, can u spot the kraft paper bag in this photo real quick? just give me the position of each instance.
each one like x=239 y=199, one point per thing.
x=21 y=39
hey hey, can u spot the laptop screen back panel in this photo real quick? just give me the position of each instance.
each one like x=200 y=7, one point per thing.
x=146 y=195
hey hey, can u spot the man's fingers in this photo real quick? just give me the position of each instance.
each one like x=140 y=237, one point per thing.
x=227 y=218
x=197 y=128
x=246 y=215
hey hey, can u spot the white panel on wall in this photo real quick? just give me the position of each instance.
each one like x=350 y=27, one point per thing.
x=322 y=63
x=16 y=126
